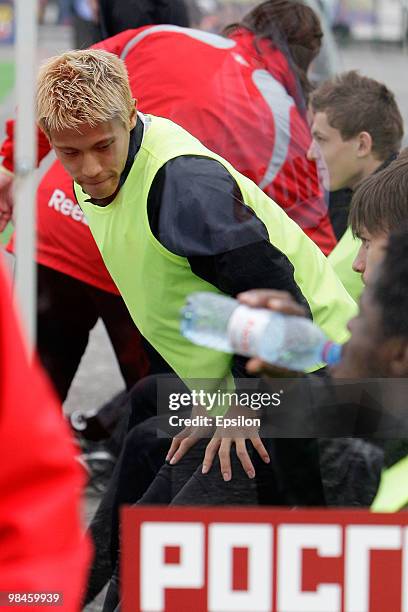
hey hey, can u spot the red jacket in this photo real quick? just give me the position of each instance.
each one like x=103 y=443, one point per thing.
x=239 y=100
x=42 y=547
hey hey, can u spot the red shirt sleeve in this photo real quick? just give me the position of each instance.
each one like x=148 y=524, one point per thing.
x=42 y=548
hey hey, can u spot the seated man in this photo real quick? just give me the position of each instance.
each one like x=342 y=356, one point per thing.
x=379 y=207
x=357 y=130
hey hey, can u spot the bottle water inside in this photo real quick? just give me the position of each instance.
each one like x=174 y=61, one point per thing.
x=222 y=323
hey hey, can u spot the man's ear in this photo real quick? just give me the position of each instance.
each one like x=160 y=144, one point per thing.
x=133 y=116
x=365 y=144
x=399 y=358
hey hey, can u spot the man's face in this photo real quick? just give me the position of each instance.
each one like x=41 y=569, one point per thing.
x=365 y=354
x=94 y=156
x=337 y=160
x=370 y=254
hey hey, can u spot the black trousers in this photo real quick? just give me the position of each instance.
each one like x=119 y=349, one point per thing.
x=141 y=476
x=67 y=311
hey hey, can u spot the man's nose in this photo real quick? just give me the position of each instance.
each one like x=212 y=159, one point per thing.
x=90 y=166
x=359 y=264
x=312 y=152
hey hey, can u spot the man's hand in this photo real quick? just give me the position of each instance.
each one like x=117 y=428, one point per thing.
x=278 y=301
x=6 y=199
x=183 y=441
x=219 y=443
x=237 y=436
x=223 y=447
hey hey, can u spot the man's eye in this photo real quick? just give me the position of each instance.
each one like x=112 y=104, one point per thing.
x=69 y=153
x=104 y=147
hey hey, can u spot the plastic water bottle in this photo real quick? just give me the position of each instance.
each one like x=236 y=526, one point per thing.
x=222 y=323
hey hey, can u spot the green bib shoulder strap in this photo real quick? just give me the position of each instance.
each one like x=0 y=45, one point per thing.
x=341 y=259
x=393 y=491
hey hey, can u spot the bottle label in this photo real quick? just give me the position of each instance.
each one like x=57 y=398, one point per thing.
x=245 y=329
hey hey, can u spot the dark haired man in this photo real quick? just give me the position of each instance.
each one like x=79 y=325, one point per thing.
x=357 y=129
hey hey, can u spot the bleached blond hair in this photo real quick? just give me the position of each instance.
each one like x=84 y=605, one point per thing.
x=83 y=87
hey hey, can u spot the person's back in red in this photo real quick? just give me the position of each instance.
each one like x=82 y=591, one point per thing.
x=42 y=547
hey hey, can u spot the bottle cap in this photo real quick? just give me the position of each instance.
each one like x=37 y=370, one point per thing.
x=332 y=353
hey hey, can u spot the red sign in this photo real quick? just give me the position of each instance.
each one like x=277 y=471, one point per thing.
x=263 y=560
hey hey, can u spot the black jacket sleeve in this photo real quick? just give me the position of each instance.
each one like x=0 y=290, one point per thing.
x=196 y=210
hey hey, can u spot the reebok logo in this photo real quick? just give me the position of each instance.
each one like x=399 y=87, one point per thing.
x=59 y=202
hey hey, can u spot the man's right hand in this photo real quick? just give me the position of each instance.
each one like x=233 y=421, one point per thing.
x=279 y=301
x=6 y=199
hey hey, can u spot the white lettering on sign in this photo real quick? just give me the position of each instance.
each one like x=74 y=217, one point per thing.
x=59 y=202
x=292 y=540
x=188 y=570
x=156 y=574
x=360 y=540
x=258 y=540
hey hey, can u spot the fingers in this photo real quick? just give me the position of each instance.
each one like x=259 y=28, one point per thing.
x=223 y=446
x=257 y=366
x=259 y=298
x=243 y=456
x=280 y=301
x=184 y=446
x=260 y=449
x=224 y=455
x=173 y=448
x=210 y=452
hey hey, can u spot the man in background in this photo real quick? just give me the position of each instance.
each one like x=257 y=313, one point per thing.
x=357 y=130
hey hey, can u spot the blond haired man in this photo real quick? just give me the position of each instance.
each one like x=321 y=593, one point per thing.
x=170 y=217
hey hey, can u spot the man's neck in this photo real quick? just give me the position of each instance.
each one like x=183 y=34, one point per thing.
x=371 y=166
x=105 y=201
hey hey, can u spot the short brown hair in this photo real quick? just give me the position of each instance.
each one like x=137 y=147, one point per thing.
x=380 y=203
x=354 y=104
x=78 y=87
